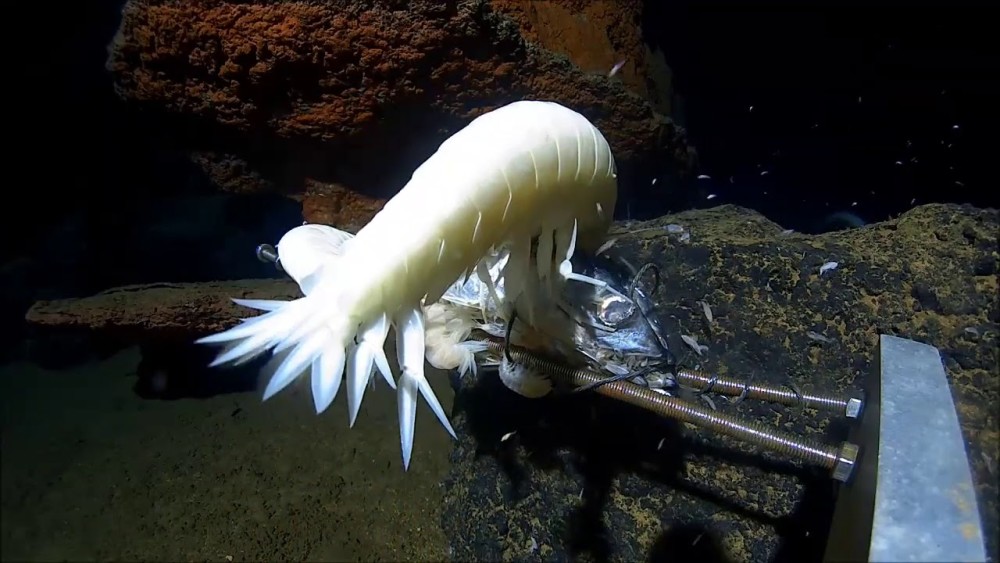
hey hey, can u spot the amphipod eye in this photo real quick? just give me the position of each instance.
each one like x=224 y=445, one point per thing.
x=615 y=309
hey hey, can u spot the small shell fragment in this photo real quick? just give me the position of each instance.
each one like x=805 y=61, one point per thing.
x=817 y=337
x=705 y=308
x=604 y=247
x=618 y=66
x=829 y=266
x=710 y=402
x=693 y=343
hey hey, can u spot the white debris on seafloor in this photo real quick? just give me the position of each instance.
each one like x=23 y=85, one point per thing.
x=812 y=335
x=693 y=343
x=708 y=400
x=828 y=267
x=706 y=309
x=672 y=228
x=604 y=247
x=507 y=436
x=676 y=229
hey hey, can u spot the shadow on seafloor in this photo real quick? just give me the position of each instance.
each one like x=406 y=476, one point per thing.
x=610 y=439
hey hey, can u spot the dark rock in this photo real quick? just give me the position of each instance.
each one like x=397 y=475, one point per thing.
x=914 y=277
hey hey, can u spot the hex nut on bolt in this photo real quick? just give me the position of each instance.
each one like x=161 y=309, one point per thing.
x=846 y=461
x=853 y=409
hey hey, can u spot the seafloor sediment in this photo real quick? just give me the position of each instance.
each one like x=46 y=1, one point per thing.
x=583 y=478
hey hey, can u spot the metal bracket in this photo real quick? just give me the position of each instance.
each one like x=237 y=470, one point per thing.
x=912 y=497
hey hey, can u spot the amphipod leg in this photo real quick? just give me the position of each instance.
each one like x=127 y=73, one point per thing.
x=566 y=267
x=483 y=271
x=410 y=353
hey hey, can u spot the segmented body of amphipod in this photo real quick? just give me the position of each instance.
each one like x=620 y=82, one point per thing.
x=534 y=177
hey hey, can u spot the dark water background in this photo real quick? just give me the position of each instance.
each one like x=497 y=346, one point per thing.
x=870 y=108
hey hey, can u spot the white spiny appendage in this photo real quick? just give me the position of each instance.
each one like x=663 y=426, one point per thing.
x=323 y=350
x=260 y=304
x=483 y=271
x=362 y=358
x=409 y=325
x=327 y=373
x=253 y=336
x=320 y=349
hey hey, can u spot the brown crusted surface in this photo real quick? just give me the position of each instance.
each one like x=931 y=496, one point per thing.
x=594 y=36
x=374 y=78
x=162 y=310
x=325 y=69
x=333 y=204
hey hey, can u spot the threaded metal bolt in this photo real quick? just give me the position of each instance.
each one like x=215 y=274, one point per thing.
x=838 y=459
x=764 y=392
